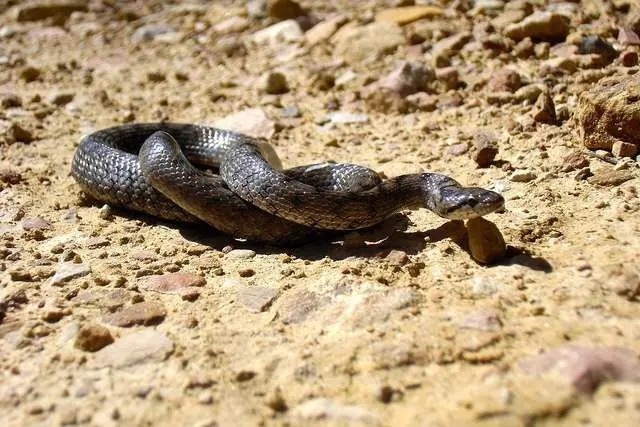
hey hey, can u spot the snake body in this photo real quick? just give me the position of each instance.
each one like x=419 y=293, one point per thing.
x=148 y=168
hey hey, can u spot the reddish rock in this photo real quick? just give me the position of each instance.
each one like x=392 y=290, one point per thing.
x=504 y=80
x=93 y=338
x=409 y=78
x=36 y=224
x=586 y=367
x=628 y=37
x=180 y=283
x=483 y=320
x=544 y=110
x=624 y=149
x=486 y=243
x=144 y=313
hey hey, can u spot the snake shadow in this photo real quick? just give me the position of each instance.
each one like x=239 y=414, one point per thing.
x=375 y=242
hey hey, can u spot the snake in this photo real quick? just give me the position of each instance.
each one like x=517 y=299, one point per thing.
x=151 y=168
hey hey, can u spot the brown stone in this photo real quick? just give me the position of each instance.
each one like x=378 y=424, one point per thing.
x=173 y=283
x=144 y=313
x=544 y=110
x=611 y=177
x=610 y=112
x=93 y=338
x=284 y=9
x=629 y=58
x=504 y=80
x=624 y=149
x=408 y=14
x=628 y=37
x=485 y=149
x=486 y=243
x=58 y=10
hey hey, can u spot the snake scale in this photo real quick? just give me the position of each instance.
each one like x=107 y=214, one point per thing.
x=148 y=167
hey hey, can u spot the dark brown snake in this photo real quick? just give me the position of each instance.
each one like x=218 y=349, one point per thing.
x=144 y=167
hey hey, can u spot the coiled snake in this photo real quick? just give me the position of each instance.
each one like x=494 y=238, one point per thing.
x=144 y=167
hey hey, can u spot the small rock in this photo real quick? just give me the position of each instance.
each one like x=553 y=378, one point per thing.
x=483 y=320
x=92 y=338
x=173 y=283
x=151 y=32
x=235 y=24
x=10 y=100
x=296 y=307
x=240 y=254
x=252 y=122
x=628 y=37
x=290 y=112
x=370 y=41
x=485 y=149
x=397 y=258
x=597 y=45
x=449 y=76
x=284 y=9
x=540 y=26
x=276 y=401
x=624 y=149
x=483 y=287
x=144 y=313
x=156 y=76
x=458 y=149
x=529 y=93
x=629 y=58
x=256 y=298
x=60 y=98
x=257 y=8
x=68 y=271
x=409 y=78
x=283 y=32
x=544 y=110
x=324 y=409
x=324 y=30
x=30 y=73
x=504 y=80
x=134 y=349
x=449 y=46
x=610 y=177
x=408 y=14
x=59 y=10
x=274 y=83
x=574 y=161
x=36 y=224
x=10 y=176
x=13 y=132
x=105 y=212
x=522 y=175
x=346 y=117
x=486 y=243
x=586 y=367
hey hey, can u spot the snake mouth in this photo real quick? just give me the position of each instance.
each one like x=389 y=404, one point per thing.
x=476 y=203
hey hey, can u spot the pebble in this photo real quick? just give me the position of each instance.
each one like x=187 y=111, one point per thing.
x=290 y=112
x=105 y=212
x=256 y=298
x=273 y=83
x=408 y=78
x=235 y=24
x=30 y=73
x=180 y=283
x=343 y=117
x=60 y=98
x=606 y=115
x=486 y=243
x=449 y=76
x=504 y=80
x=137 y=348
x=540 y=26
x=67 y=271
x=544 y=110
x=586 y=368
x=36 y=224
x=257 y=8
x=482 y=320
x=483 y=287
x=624 y=149
x=143 y=313
x=610 y=177
x=10 y=100
x=297 y=306
x=358 y=44
x=324 y=30
x=485 y=149
x=449 y=46
x=629 y=58
x=597 y=45
x=59 y=10
x=276 y=401
x=93 y=337
x=284 y=9
x=320 y=408
x=529 y=93
x=408 y=14
x=522 y=175
x=628 y=37
x=151 y=32
x=240 y=254
x=252 y=122
x=574 y=161
x=283 y=32
x=14 y=132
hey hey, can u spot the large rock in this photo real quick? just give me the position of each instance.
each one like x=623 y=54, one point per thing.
x=610 y=112
x=57 y=10
x=359 y=43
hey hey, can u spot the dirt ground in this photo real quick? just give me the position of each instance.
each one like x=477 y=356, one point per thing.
x=109 y=317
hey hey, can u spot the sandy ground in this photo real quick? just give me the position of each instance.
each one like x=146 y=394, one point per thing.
x=409 y=330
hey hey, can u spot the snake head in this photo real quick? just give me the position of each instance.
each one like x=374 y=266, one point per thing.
x=468 y=202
